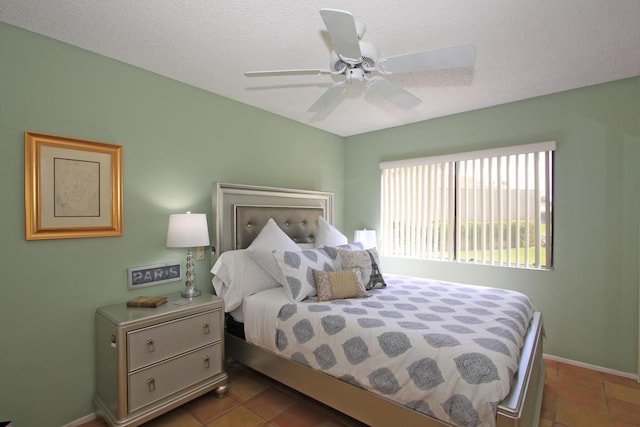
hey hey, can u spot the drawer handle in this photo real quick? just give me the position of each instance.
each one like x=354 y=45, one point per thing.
x=205 y=326
x=206 y=362
x=151 y=383
x=150 y=345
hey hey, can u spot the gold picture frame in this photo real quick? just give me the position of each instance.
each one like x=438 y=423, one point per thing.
x=72 y=188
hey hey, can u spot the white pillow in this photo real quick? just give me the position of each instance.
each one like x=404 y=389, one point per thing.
x=270 y=238
x=236 y=276
x=297 y=269
x=329 y=235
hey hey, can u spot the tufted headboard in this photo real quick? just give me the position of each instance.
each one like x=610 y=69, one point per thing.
x=240 y=212
x=298 y=222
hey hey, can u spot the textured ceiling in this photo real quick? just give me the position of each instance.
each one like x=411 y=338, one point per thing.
x=525 y=48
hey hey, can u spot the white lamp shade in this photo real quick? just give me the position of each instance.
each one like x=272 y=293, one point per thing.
x=366 y=237
x=187 y=231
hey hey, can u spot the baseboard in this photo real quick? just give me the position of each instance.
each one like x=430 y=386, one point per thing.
x=81 y=421
x=592 y=367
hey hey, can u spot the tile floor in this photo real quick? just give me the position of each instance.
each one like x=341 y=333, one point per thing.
x=579 y=397
x=573 y=397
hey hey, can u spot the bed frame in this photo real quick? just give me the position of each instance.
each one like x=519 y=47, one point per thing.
x=239 y=218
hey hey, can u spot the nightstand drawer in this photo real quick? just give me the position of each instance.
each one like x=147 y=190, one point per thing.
x=153 y=344
x=159 y=381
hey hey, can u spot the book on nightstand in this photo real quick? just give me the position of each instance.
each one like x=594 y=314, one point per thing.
x=146 y=301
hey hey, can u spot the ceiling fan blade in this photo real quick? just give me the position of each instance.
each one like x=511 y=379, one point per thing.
x=328 y=97
x=344 y=35
x=451 y=57
x=393 y=93
x=285 y=73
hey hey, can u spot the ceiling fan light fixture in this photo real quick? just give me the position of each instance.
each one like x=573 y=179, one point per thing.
x=336 y=63
x=354 y=75
x=369 y=56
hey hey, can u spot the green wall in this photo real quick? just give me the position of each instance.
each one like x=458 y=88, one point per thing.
x=177 y=140
x=589 y=301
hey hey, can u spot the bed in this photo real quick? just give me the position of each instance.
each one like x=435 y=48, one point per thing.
x=244 y=213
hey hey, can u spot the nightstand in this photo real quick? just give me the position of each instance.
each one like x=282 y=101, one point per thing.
x=151 y=360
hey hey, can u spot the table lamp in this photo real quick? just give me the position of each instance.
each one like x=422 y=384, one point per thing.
x=188 y=231
x=366 y=237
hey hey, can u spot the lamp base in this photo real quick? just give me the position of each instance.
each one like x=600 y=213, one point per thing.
x=190 y=293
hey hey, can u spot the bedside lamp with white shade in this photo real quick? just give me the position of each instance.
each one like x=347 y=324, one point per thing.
x=188 y=231
x=366 y=237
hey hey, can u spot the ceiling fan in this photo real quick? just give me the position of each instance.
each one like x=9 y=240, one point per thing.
x=358 y=61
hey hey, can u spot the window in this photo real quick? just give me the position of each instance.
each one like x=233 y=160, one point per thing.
x=486 y=207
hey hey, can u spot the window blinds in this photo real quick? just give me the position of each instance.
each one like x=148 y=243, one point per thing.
x=491 y=206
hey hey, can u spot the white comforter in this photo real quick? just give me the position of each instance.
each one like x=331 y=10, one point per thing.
x=447 y=350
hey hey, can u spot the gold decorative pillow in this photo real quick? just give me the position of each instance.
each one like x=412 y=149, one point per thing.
x=342 y=284
x=367 y=262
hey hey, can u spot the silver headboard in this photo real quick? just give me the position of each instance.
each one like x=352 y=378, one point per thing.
x=240 y=212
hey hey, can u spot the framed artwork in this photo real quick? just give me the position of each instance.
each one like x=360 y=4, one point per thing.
x=72 y=188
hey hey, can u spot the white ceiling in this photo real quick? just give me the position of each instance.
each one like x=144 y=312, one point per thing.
x=525 y=48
